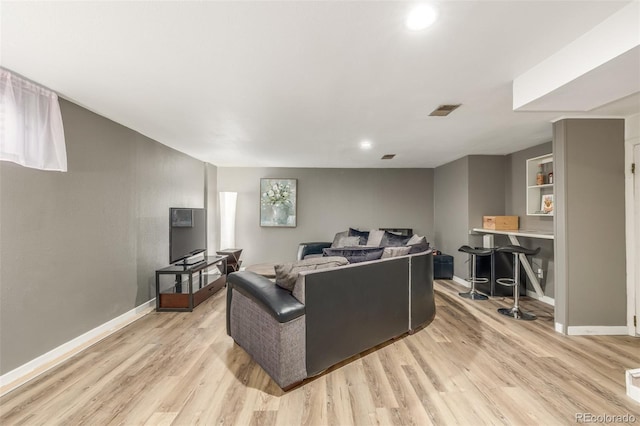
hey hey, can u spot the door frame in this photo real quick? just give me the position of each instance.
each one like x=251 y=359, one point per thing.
x=632 y=240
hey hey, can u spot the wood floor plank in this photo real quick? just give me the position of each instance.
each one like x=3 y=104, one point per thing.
x=378 y=383
x=429 y=396
x=338 y=403
x=411 y=410
x=161 y=419
x=291 y=408
x=263 y=418
x=470 y=366
x=315 y=403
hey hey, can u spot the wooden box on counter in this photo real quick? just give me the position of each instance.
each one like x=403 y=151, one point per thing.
x=500 y=222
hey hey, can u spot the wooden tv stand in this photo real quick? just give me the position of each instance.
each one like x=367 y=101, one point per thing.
x=184 y=293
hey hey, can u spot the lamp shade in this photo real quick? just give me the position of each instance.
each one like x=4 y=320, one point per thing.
x=228 y=219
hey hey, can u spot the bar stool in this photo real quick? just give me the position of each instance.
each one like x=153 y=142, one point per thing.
x=473 y=254
x=514 y=282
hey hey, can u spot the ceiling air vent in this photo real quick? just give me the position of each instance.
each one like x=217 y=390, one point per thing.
x=444 y=110
x=388 y=156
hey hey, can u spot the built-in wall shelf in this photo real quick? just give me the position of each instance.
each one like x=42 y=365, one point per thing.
x=540 y=200
x=546 y=185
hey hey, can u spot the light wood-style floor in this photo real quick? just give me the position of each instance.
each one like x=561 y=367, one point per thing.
x=470 y=366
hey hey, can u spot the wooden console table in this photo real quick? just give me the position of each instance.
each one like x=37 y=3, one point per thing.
x=181 y=295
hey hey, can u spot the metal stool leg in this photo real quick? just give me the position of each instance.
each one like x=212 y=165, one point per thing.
x=515 y=311
x=473 y=293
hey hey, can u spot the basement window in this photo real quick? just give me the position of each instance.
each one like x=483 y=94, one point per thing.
x=31 y=132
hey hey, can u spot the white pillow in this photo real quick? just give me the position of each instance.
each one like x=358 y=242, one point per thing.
x=395 y=251
x=348 y=242
x=415 y=239
x=337 y=237
x=375 y=238
x=287 y=274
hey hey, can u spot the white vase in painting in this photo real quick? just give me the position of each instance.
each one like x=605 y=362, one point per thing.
x=280 y=213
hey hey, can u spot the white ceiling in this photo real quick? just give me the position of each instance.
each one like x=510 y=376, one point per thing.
x=299 y=84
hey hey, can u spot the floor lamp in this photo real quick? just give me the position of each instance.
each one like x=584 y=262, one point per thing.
x=228 y=219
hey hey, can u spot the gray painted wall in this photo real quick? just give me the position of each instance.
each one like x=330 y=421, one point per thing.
x=590 y=222
x=486 y=187
x=80 y=248
x=329 y=201
x=466 y=190
x=486 y=191
x=516 y=205
x=451 y=207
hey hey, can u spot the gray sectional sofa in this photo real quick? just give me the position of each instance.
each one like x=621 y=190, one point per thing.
x=331 y=314
x=358 y=245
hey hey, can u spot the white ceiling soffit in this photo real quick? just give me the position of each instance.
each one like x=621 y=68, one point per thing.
x=614 y=80
x=571 y=80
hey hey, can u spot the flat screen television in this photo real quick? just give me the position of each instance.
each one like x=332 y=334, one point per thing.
x=187 y=234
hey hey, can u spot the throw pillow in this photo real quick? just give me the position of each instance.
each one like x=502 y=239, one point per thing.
x=393 y=240
x=355 y=254
x=364 y=235
x=419 y=247
x=375 y=238
x=348 y=242
x=338 y=236
x=415 y=239
x=287 y=274
x=395 y=251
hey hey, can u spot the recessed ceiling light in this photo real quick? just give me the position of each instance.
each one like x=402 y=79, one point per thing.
x=421 y=16
x=365 y=145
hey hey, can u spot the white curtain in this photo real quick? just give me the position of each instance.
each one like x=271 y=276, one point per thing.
x=31 y=132
x=228 y=220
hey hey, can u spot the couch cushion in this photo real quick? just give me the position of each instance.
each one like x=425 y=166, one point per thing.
x=364 y=236
x=415 y=239
x=316 y=255
x=392 y=240
x=375 y=238
x=348 y=242
x=395 y=251
x=287 y=273
x=337 y=237
x=419 y=247
x=355 y=254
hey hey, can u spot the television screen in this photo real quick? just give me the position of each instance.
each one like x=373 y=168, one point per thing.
x=182 y=218
x=187 y=233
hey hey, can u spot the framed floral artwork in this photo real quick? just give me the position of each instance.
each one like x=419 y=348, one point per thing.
x=547 y=204
x=278 y=199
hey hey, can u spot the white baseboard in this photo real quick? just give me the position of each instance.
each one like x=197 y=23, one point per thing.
x=598 y=330
x=56 y=356
x=544 y=299
x=559 y=328
x=462 y=281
